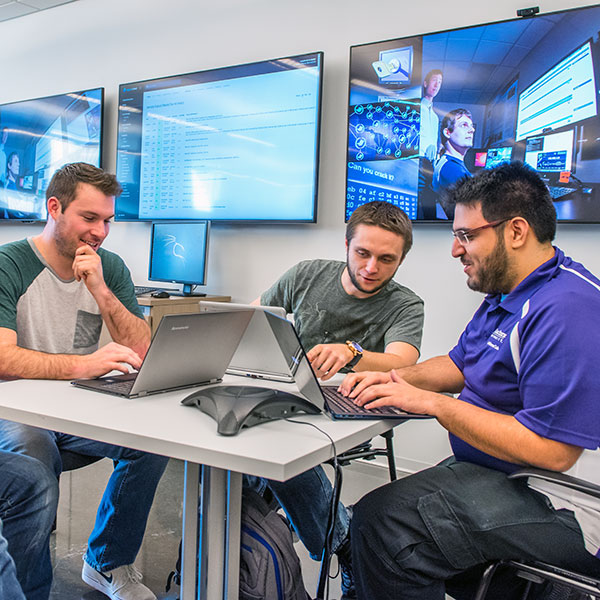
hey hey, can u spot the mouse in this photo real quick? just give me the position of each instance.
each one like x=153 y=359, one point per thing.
x=160 y=294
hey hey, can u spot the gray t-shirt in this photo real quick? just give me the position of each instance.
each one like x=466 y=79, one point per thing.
x=51 y=314
x=325 y=314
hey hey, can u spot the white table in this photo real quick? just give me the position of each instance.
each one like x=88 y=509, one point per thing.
x=159 y=424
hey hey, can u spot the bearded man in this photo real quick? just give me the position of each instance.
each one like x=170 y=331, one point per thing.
x=526 y=371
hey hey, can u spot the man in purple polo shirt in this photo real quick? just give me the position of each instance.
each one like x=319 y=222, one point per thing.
x=526 y=367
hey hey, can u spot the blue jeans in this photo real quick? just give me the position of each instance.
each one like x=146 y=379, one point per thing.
x=9 y=586
x=433 y=533
x=28 y=500
x=306 y=500
x=123 y=511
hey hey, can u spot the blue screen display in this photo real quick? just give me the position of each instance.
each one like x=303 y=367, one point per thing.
x=39 y=136
x=178 y=252
x=487 y=90
x=237 y=143
x=497 y=156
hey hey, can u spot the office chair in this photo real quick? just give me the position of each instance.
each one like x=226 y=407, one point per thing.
x=72 y=461
x=539 y=572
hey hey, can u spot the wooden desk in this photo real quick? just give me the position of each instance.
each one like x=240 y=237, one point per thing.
x=160 y=424
x=174 y=305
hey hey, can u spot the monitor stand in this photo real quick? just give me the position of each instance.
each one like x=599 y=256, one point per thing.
x=237 y=406
x=187 y=291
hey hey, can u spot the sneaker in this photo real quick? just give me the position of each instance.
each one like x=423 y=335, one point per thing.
x=122 y=583
x=345 y=562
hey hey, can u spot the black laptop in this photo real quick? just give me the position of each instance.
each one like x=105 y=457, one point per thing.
x=326 y=398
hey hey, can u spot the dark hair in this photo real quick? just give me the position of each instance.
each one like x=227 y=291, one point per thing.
x=384 y=215
x=510 y=190
x=64 y=182
x=10 y=157
x=449 y=121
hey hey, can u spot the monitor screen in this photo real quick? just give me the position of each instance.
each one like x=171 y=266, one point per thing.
x=428 y=109
x=564 y=95
x=239 y=143
x=480 y=159
x=39 y=136
x=179 y=253
x=497 y=156
x=550 y=153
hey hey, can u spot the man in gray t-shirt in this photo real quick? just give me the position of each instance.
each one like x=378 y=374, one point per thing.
x=349 y=316
x=353 y=315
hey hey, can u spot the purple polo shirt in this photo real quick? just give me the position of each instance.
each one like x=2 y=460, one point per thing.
x=546 y=372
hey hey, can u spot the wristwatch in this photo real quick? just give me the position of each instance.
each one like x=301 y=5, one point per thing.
x=357 y=351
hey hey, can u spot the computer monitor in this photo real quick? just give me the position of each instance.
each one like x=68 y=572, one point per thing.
x=39 y=136
x=497 y=156
x=564 y=95
x=238 y=143
x=550 y=153
x=179 y=254
x=480 y=159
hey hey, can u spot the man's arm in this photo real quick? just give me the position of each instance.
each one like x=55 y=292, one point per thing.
x=21 y=363
x=438 y=374
x=498 y=435
x=328 y=359
x=124 y=327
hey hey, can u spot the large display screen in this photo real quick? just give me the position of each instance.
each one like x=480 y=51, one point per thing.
x=39 y=136
x=426 y=110
x=239 y=143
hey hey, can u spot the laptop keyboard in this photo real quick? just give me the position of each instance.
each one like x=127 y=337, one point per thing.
x=557 y=191
x=342 y=404
x=120 y=387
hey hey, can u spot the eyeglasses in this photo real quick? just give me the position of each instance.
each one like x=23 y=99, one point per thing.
x=464 y=236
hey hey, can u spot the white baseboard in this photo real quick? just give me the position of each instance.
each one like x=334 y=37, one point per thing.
x=378 y=467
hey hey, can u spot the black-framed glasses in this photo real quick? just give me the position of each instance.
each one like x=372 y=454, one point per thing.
x=464 y=236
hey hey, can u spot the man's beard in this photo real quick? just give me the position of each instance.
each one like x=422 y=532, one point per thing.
x=357 y=285
x=495 y=274
x=64 y=246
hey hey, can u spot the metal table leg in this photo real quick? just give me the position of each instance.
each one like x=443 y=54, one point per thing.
x=218 y=534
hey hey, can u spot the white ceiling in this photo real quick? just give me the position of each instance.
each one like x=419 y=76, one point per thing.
x=11 y=9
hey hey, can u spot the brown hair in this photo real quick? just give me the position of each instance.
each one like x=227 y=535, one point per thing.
x=64 y=182
x=384 y=215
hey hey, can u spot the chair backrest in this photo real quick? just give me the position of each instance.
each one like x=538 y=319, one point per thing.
x=74 y=460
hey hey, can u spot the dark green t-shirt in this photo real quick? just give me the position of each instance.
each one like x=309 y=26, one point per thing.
x=325 y=314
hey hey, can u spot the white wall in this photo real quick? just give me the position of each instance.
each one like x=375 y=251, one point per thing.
x=106 y=42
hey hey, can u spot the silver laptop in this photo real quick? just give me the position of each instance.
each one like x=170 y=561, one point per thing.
x=187 y=350
x=326 y=398
x=258 y=355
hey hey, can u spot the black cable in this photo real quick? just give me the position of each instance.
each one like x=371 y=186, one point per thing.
x=323 y=585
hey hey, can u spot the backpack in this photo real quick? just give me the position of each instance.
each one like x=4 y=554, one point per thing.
x=269 y=566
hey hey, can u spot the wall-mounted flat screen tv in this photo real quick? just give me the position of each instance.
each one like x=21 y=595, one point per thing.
x=39 y=136
x=239 y=143
x=428 y=109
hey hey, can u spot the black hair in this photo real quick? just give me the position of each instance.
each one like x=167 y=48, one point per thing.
x=510 y=190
